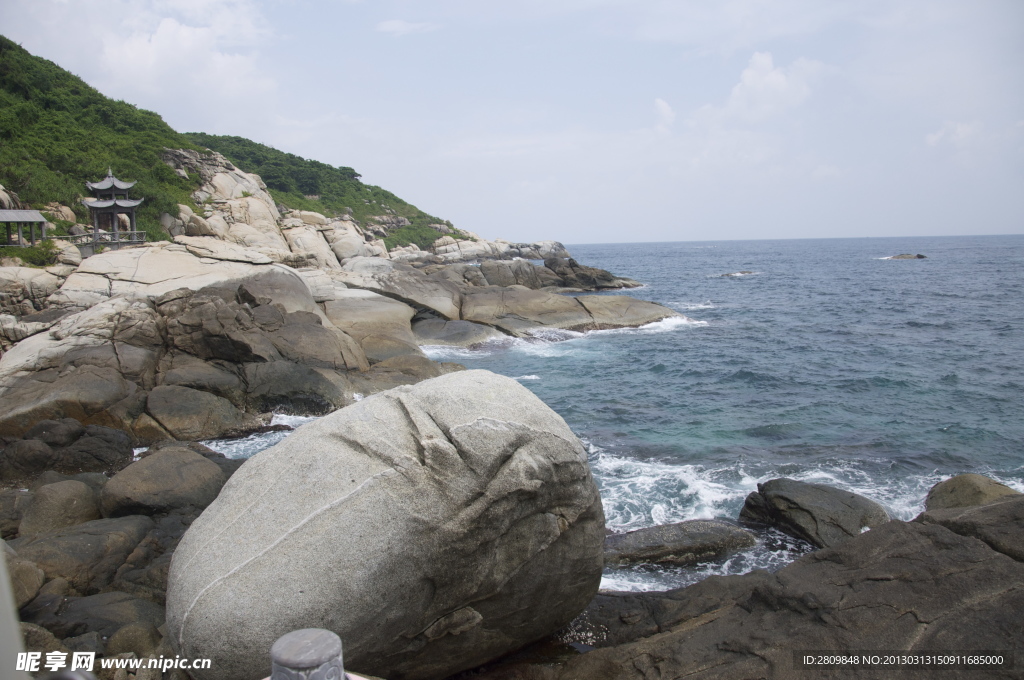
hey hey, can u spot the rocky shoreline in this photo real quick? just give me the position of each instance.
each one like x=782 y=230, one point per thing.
x=436 y=518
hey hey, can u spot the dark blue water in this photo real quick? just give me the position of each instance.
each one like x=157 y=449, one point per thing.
x=826 y=364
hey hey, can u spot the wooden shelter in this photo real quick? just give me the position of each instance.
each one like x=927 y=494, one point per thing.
x=20 y=218
x=112 y=200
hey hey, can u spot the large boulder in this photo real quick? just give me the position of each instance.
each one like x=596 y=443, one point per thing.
x=171 y=479
x=682 y=543
x=964 y=491
x=817 y=513
x=433 y=527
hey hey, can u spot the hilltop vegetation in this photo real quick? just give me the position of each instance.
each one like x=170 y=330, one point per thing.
x=311 y=185
x=57 y=132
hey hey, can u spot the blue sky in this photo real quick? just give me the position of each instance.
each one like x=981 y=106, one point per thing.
x=596 y=120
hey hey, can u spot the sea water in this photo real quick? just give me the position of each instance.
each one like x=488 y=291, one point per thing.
x=825 y=363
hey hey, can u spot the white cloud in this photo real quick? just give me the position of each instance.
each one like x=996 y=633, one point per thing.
x=666 y=116
x=959 y=134
x=398 y=27
x=765 y=90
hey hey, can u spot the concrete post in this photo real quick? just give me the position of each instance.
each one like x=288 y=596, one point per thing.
x=307 y=654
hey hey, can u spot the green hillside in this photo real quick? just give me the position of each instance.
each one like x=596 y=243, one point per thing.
x=311 y=185
x=57 y=132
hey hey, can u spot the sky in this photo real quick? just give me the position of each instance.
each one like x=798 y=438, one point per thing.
x=596 y=121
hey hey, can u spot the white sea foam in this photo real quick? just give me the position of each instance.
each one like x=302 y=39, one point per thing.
x=639 y=494
x=527 y=377
x=691 y=306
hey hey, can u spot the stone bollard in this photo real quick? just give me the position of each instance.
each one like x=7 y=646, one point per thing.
x=307 y=654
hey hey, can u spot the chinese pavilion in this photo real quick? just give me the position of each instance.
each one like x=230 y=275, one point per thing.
x=112 y=200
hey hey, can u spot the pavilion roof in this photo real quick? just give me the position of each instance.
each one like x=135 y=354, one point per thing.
x=119 y=202
x=108 y=182
x=21 y=216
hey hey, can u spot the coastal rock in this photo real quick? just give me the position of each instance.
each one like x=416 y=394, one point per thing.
x=575 y=275
x=455 y=333
x=619 y=311
x=100 y=449
x=57 y=433
x=59 y=505
x=87 y=555
x=379 y=324
x=25 y=289
x=25 y=577
x=517 y=311
x=816 y=513
x=681 y=543
x=105 y=613
x=998 y=523
x=190 y=414
x=964 y=491
x=906 y=256
x=13 y=505
x=174 y=479
x=902 y=586
x=26 y=458
x=469 y=521
x=404 y=283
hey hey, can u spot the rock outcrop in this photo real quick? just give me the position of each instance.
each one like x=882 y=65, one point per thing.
x=819 y=514
x=433 y=527
x=964 y=491
x=678 y=544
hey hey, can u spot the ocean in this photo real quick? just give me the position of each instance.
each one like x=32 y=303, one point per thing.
x=822 y=361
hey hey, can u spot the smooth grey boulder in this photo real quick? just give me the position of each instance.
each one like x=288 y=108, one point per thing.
x=59 y=505
x=171 y=479
x=433 y=527
x=682 y=543
x=964 y=491
x=817 y=513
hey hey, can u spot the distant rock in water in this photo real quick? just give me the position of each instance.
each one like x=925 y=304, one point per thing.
x=906 y=256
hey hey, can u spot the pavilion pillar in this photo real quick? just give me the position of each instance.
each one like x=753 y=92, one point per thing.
x=32 y=232
x=115 y=223
x=21 y=236
x=131 y=218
